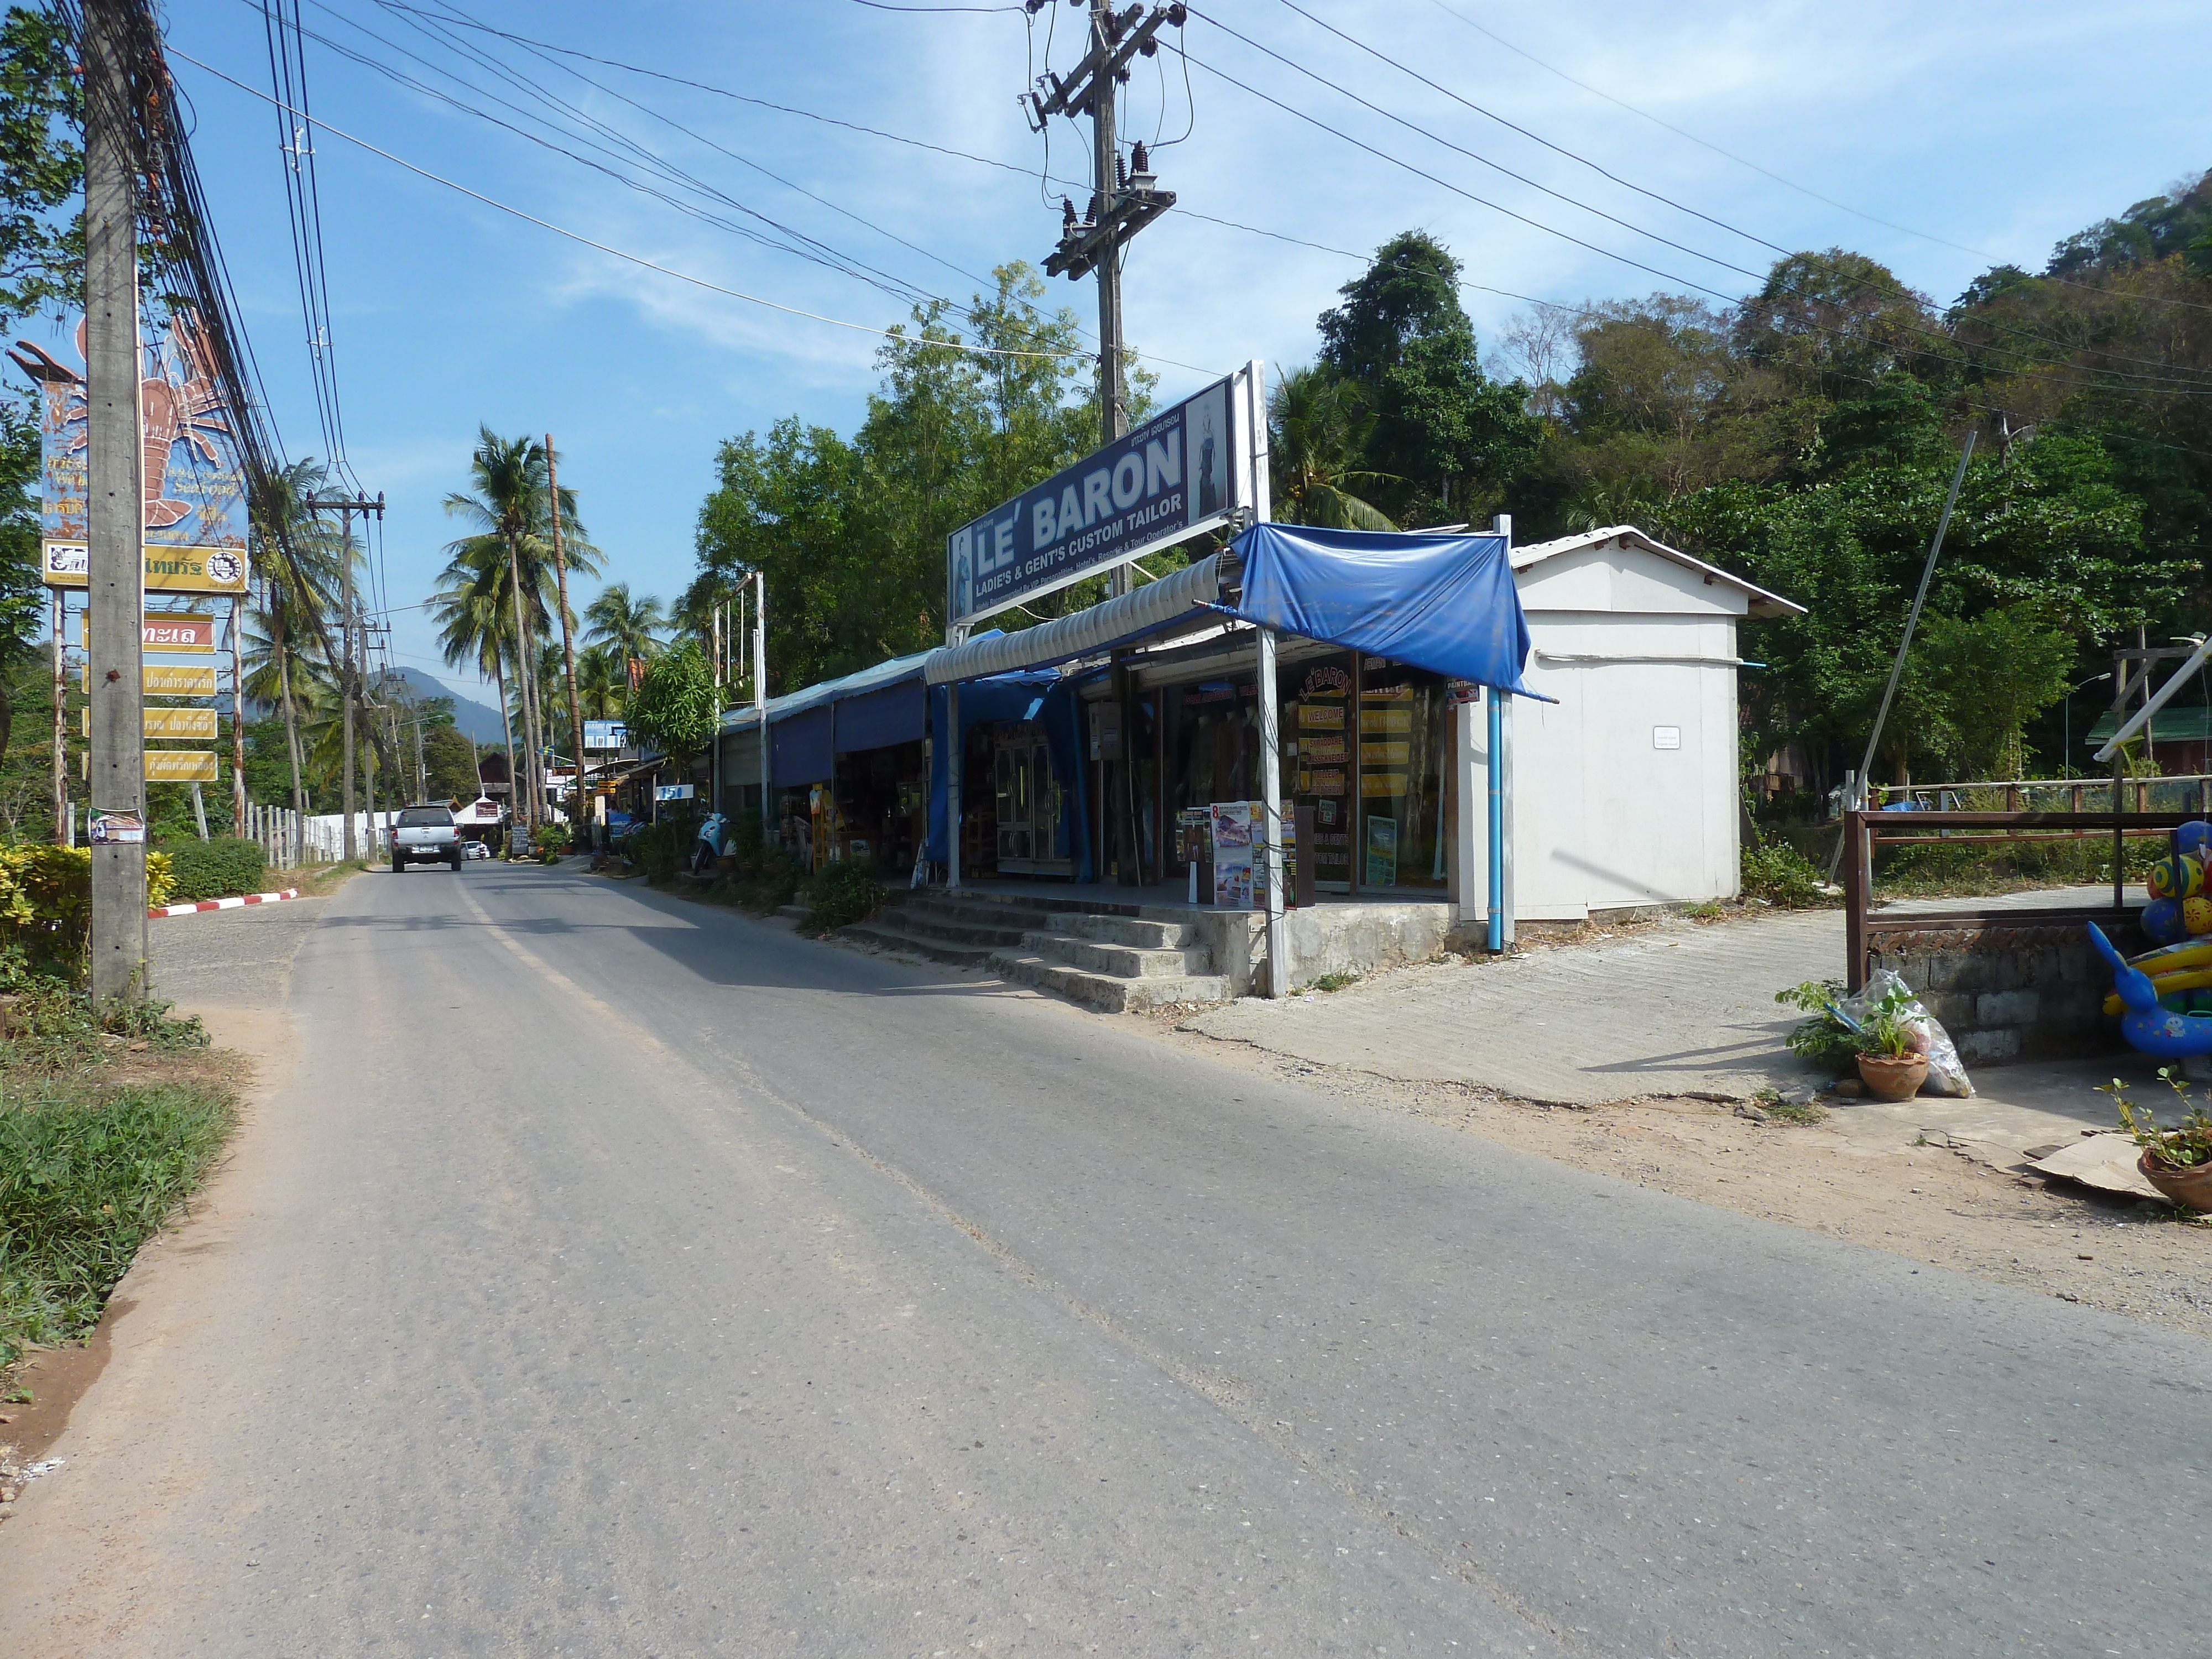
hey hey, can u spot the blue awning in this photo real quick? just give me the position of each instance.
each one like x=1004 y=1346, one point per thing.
x=799 y=752
x=878 y=719
x=1446 y=603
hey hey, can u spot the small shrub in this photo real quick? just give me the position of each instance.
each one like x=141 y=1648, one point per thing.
x=840 y=893
x=52 y=1027
x=1335 y=981
x=46 y=902
x=218 y=868
x=1777 y=873
x=1823 y=1040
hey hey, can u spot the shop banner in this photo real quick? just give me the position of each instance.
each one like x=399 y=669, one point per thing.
x=1236 y=826
x=606 y=734
x=195 y=485
x=171 y=725
x=191 y=632
x=1181 y=472
x=170 y=681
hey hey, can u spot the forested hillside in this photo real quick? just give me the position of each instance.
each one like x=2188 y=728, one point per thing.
x=1804 y=437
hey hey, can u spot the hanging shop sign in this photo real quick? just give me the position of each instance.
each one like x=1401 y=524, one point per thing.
x=606 y=734
x=194 y=515
x=1184 y=471
x=180 y=766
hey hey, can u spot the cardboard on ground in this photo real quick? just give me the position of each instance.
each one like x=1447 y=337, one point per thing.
x=180 y=766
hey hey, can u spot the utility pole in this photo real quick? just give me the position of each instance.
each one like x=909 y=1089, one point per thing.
x=1123 y=199
x=568 y=644
x=760 y=698
x=115 y=512
x=348 y=686
x=63 y=837
x=238 y=715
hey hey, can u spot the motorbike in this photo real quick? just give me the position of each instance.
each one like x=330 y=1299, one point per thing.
x=712 y=841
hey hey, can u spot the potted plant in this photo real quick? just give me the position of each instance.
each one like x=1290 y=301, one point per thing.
x=2177 y=1161
x=1890 y=1064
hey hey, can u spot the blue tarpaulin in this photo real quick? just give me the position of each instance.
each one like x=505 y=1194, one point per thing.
x=1446 y=603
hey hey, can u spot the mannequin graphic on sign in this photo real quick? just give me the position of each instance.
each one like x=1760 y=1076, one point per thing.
x=963 y=575
x=1209 y=489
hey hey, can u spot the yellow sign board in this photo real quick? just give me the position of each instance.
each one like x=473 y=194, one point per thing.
x=168 y=569
x=180 y=766
x=176 y=725
x=171 y=682
x=179 y=682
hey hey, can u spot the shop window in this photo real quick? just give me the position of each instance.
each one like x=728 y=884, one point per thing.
x=1318 y=738
x=1402 y=743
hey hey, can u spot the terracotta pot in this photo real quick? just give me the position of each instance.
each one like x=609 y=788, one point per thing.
x=2192 y=1186
x=1893 y=1078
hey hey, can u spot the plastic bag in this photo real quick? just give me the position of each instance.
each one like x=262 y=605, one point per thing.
x=1946 y=1074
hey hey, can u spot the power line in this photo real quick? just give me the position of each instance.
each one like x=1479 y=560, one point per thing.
x=899 y=336
x=1768 y=172
x=1864 y=284
x=2180 y=388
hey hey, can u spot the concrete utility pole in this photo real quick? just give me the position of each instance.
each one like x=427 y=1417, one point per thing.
x=567 y=643
x=238 y=715
x=115 y=512
x=760 y=698
x=348 y=686
x=1123 y=201
x=61 y=808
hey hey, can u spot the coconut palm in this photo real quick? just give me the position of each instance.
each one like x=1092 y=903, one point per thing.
x=602 y=681
x=471 y=612
x=1317 y=434
x=510 y=504
x=298 y=584
x=629 y=627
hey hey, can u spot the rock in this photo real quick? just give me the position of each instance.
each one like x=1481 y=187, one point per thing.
x=1756 y=1113
x=1800 y=1094
x=1851 y=1088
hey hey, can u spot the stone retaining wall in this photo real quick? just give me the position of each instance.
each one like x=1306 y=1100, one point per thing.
x=2035 y=991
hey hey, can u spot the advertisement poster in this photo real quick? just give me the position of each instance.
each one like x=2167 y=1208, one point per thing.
x=1382 y=853
x=195 y=485
x=1233 y=823
x=1168 y=478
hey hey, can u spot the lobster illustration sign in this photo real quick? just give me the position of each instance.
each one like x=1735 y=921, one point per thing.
x=195 y=487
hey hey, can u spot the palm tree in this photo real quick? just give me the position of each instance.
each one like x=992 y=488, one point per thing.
x=631 y=627
x=1317 y=432
x=297 y=587
x=602 y=681
x=511 y=505
x=470 y=610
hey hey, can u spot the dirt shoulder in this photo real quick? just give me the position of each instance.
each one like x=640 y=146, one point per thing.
x=1927 y=1203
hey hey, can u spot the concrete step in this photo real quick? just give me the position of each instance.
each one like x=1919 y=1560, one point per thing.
x=1122 y=961
x=956 y=928
x=1131 y=931
x=975 y=913
x=798 y=911
x=1108 y=993
x=885 y=932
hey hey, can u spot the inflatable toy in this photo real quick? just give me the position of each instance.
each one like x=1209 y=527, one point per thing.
x=2186 y=983
x=2146 y=1026
x=2176 y=878
x=2197 y=914
x=2161 y=920
x=2194 y=840
x=2171 y=959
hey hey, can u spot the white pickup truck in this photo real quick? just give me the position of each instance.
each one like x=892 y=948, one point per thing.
x=424 y=835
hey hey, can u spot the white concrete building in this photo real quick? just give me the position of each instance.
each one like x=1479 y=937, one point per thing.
x=1624 y=792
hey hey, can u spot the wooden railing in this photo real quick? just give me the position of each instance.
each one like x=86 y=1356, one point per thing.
x=1864 y=831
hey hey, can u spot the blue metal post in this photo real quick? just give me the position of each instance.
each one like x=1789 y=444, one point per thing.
x=1497 y=836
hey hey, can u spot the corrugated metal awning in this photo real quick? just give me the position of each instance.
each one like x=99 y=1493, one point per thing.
x=1186 y=592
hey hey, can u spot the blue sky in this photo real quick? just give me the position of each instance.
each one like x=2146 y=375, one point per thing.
x=1996 y=127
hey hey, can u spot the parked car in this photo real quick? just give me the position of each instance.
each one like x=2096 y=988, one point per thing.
x=475 y=850
x=425 y=834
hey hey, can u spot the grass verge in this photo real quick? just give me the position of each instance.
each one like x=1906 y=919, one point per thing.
x=107 y=1126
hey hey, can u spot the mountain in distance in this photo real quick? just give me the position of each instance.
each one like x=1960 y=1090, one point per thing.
x=478 y=721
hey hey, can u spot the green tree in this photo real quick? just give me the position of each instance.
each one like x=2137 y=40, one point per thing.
x=630 y=628
x=674 y=708
x=1318 y=430
x=450 y=761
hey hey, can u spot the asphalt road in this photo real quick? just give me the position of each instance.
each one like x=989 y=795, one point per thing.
x=618 y=1277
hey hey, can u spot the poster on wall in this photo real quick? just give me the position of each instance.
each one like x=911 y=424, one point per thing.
x=194 y=519
x=1382 y=853
x=1233 y=822
x=1179 y=473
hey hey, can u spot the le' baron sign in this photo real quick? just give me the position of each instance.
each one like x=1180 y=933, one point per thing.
x=1186 y=470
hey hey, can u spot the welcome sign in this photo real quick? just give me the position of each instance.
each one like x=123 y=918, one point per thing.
x=1182 y=471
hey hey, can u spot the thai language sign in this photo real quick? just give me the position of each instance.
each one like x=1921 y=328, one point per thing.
x=194 y=515
x=1181 y=472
